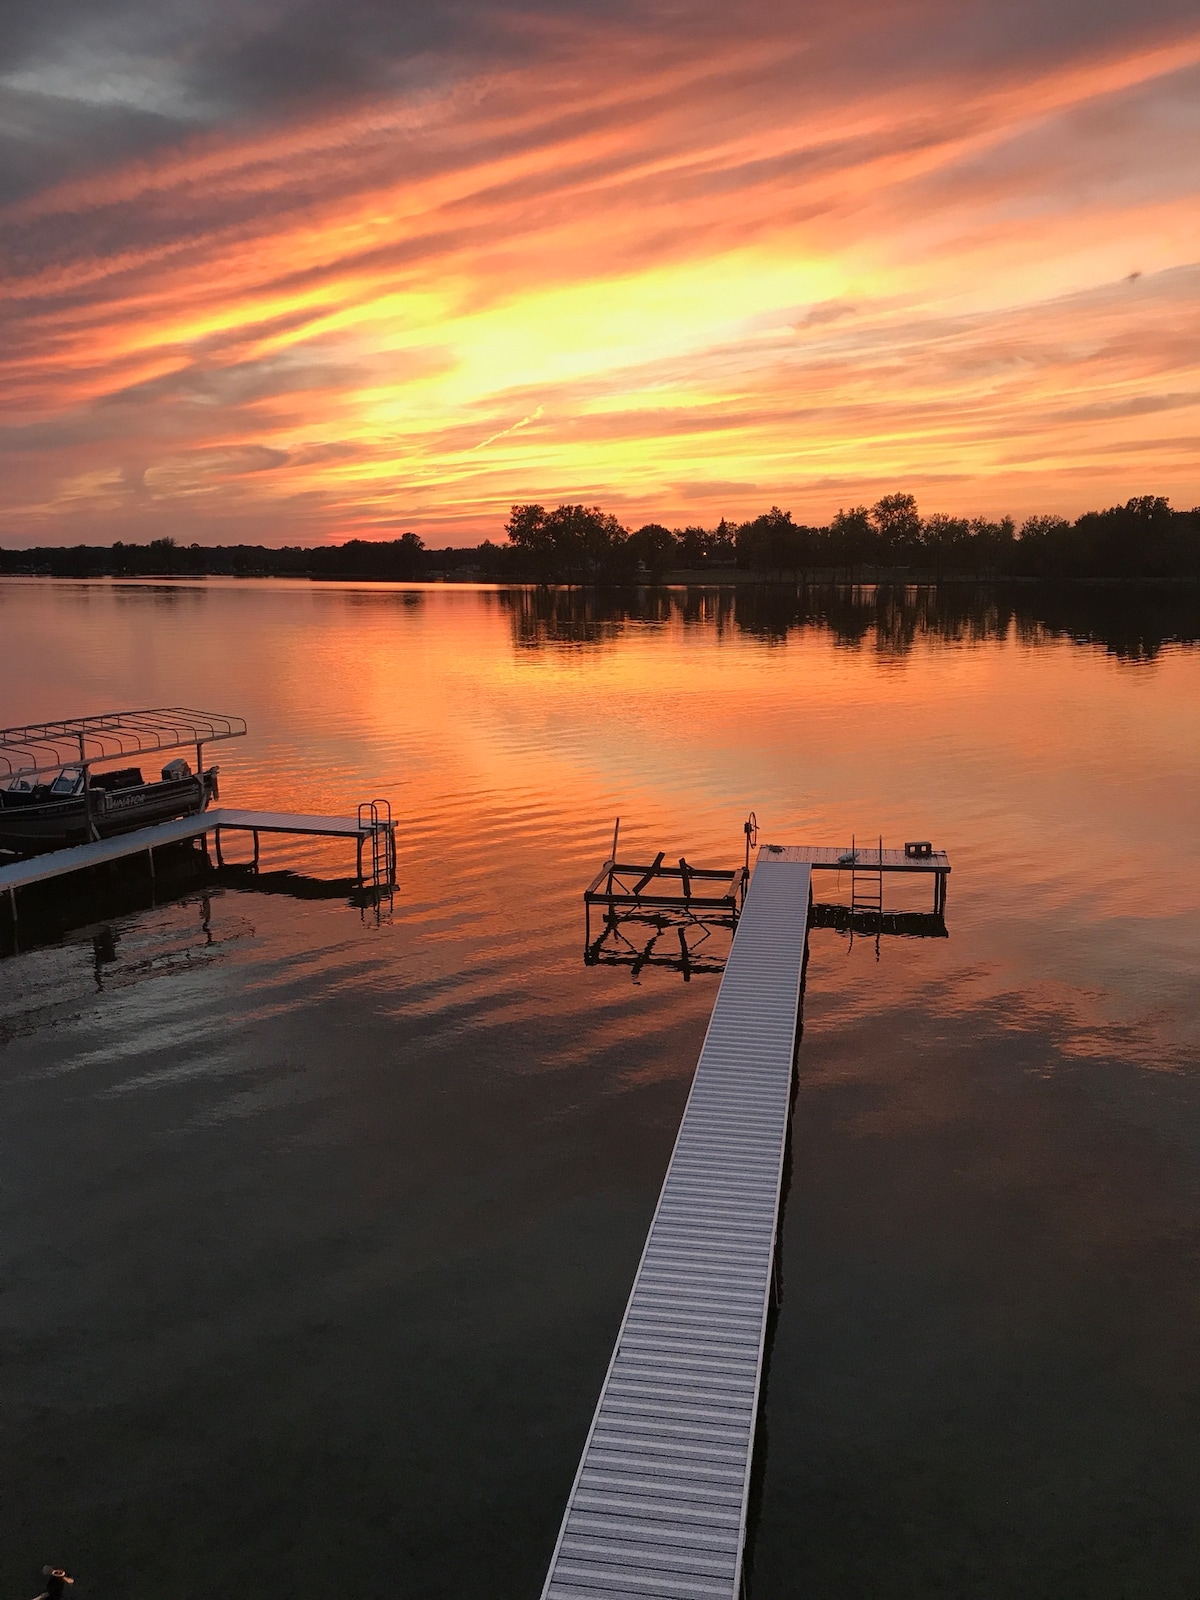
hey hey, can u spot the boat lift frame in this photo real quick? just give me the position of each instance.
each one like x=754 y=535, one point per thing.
x=639 y=891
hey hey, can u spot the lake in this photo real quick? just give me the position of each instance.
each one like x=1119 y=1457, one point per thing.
x=318 y=1219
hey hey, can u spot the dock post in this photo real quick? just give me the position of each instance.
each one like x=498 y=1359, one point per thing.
x=254 y=831
x=12 y=900
x=217 y=840
x=150 y=858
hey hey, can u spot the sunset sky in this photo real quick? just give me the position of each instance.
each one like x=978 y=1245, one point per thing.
x=284 y=271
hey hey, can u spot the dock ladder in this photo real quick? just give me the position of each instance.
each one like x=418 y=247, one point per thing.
x=866 y=887
x=376 y=828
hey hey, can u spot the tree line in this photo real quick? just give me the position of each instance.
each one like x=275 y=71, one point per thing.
x=1142 y=540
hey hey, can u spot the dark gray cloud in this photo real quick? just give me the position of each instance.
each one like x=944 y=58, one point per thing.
x=84 y=83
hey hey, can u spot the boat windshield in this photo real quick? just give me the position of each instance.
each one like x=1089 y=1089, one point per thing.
x=69 y=781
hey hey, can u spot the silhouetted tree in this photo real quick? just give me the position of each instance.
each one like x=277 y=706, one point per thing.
x=572 y=543
x=653 y=547
x=695 y=547
x=852 y=538
x=772 y=543
x=378 y=559
x=898 y=524
x=945 y=541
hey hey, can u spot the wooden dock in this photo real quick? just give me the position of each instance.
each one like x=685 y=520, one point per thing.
x=365 y=830
x=658 y=1507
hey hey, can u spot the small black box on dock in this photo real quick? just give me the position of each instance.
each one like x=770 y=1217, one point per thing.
x=918 y=850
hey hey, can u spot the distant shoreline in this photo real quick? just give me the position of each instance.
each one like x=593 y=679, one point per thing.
x=723 y=578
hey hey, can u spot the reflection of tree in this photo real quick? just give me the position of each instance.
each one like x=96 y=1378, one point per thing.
x=891 y=619
x=562 y=616
x=1132 y=625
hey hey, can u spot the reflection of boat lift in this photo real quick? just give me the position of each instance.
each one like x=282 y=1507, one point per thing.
x=694 y=901
x=614 y=949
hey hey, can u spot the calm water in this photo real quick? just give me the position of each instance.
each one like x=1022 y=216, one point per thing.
x=316 y=1228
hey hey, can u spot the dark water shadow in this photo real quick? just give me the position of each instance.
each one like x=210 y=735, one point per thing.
x=49 y=913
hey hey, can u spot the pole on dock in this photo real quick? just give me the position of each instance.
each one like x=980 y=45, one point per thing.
x=750 y=829
x=612 y=860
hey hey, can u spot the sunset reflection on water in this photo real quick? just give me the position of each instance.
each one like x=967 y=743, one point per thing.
x=343 y=1211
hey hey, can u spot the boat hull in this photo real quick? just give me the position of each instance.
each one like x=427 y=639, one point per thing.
x=30 y=829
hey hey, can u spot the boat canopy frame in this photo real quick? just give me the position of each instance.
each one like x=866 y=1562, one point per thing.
x=111 y=736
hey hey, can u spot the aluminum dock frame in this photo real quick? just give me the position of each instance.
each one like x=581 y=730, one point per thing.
x=658 y=1507
x=372 y=828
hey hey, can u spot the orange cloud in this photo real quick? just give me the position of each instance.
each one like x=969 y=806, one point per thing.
x=685 y=280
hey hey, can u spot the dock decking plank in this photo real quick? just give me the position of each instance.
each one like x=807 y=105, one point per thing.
x=658 y=1507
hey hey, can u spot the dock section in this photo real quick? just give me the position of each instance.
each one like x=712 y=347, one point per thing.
x=658 y=1507
x=372 y=827
x=871 y=861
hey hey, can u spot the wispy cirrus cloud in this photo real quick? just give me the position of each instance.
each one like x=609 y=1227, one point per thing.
x=811 y=251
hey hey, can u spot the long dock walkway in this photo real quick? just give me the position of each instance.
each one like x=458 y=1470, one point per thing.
x=658 y=1506
x=144 y=841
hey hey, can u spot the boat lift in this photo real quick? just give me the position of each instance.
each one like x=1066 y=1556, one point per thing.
x=661 y=895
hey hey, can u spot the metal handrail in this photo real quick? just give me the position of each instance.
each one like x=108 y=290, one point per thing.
x=375 y=823
x=109 y=736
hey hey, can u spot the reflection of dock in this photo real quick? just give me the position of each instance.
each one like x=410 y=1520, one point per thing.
x=372 y=830
x=897 y=924
x=659 y=1503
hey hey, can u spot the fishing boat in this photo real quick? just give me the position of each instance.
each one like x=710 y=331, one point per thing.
x=51 y=797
